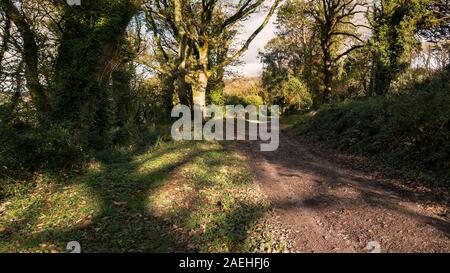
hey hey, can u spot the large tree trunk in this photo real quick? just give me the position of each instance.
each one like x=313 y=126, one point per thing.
x=87 y=56
x=183 y=88
x=121 y=91
x=199 y=92
x=328 y=80
x=168 y=83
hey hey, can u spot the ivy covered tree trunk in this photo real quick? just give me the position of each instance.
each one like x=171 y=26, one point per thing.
x=327 y=59
x=183 y=88
x=123 y=102
x=394 y=26
x=88 y=54
x=381 y=79
x=168 y=83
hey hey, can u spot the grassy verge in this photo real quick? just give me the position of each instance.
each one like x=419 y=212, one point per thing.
x=410 y=133
x=178 y=196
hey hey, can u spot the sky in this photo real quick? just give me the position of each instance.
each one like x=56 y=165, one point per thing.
x=251 y=64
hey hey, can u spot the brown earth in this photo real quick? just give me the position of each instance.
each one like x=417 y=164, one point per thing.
x=331 y=202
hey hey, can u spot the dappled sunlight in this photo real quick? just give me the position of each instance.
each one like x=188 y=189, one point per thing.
x=179 y=197
x=212 y=204
x=167 y=154
x=51 y=208
x=94 y=166
x=343 y=137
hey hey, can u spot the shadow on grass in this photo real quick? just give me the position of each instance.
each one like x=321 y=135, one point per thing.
x=121 y=184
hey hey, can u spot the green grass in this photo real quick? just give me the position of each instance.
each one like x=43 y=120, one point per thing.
x=178 y=196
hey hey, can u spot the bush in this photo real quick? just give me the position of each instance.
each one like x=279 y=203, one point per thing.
x=253 y=100
x=245 y=101
x=411 y=131
x=293 y=96
x=25 y=149
x=297 y=95
x=216 y=97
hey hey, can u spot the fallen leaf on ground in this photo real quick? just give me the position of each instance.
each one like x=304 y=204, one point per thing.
x=87 y=223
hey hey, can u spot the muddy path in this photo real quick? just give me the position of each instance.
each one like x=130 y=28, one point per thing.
x=332 y=202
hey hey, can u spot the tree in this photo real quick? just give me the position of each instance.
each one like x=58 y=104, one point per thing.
x=437 y=25
x=313 y=33
x=88 y=53
x=395 y=24
x=334 y=21
x=276 y=65
x=5 y=35
x=194 y=28
x=294 y=52
x=68 y=56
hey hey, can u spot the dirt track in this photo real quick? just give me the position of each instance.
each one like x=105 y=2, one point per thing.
x=329 y=204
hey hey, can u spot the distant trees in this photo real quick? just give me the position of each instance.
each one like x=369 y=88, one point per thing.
x=350 y=45
x=318 y=30
x=293 y=52
x=395 y=24
x=334 y=21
